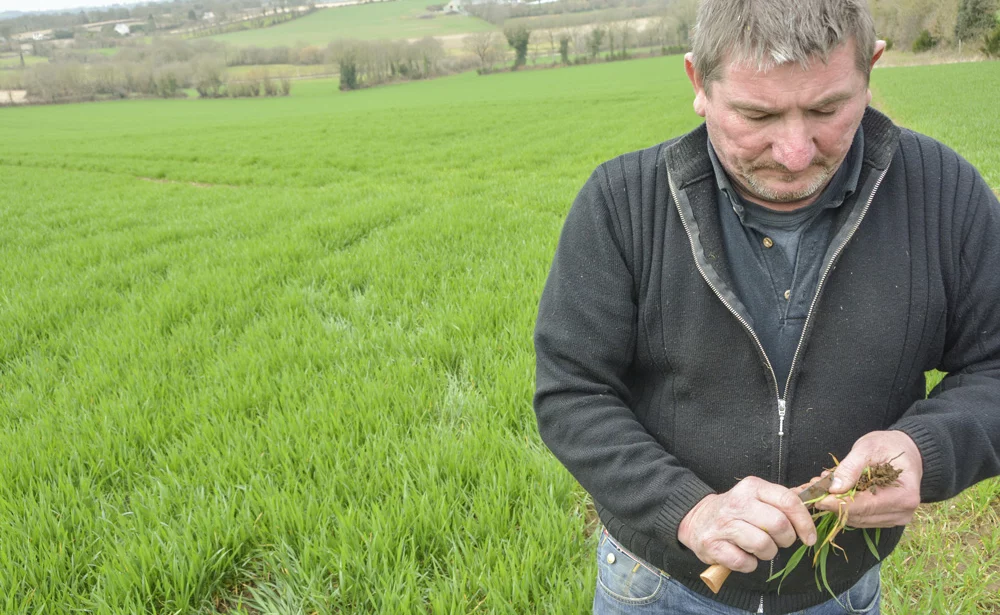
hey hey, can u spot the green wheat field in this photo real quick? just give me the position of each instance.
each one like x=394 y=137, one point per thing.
x=274 y=355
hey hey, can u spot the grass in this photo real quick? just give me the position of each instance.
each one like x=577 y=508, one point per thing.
x=973 y=133
x=274 y=355
x=397 y=19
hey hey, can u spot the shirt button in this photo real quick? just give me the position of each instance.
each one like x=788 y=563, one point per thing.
x=788 y=295
x=611 y=558
x=768 y=242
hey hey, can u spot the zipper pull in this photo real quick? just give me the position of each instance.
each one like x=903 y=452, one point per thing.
x=781 y=417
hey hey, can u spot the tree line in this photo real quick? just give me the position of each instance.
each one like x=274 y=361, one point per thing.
x=368 y=63
x=162 y=69
x=614 y=39
x=168 y=66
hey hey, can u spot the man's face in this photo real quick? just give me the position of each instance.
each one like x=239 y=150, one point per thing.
x=782 y=134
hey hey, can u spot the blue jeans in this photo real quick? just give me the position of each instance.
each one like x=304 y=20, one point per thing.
x=627 y=585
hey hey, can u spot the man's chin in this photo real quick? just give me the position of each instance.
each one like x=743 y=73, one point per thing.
x=784 y=192
x=785 y=198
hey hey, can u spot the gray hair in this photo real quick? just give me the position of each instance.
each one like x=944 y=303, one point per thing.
x=769 y=33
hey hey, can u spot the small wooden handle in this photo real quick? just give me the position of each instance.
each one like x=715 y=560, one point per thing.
x=714 y=576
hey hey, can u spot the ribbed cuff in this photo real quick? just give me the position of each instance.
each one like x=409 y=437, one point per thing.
x=673 y=512
x=932 y=483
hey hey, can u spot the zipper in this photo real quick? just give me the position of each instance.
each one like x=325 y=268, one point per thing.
x=782 y=405
x=819 y=289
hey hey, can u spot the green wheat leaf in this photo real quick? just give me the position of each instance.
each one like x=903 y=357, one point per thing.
x=822 y=571
x=871 y=545
x=793 y=561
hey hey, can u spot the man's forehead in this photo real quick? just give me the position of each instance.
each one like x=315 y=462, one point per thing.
x=749 y=68
x=757 y=63
x=820 y=82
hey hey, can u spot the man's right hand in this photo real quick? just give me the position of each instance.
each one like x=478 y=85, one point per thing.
x=746 y=524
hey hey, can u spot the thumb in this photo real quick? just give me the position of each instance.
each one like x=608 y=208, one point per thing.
x=848 y=472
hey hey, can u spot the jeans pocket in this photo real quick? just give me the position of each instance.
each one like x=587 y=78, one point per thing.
x=863 y=598
x=625 y=578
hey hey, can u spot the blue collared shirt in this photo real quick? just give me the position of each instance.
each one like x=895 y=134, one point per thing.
x=776 y=257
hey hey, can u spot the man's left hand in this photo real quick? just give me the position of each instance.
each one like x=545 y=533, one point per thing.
x=890 y=506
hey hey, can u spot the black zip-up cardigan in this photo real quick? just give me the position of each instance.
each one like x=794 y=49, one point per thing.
x=654 y=393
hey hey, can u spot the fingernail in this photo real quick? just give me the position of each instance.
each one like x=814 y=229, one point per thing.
x=811 y=539
x=837 y=484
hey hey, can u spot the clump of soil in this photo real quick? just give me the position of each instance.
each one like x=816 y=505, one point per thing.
x=878 y=475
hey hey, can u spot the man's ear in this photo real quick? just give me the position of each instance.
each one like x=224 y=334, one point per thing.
x=879 y=49
x=697 y=83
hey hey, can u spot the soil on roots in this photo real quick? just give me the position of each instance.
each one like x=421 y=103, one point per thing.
x=878 y=475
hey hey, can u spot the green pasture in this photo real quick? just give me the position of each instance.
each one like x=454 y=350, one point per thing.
x=110 y=51
x=397 y=19
x=14 y=61
x=274 y=355
x=965 y=120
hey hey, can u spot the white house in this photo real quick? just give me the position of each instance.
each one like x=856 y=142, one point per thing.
x=454 y=6
x=208 y=16
x=38 y=36
x=122 y=29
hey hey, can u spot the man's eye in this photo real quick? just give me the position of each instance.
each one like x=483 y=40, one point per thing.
x=756 y=117
x=825 y=112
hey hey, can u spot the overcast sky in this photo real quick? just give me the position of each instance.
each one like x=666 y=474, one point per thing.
x=47 y=5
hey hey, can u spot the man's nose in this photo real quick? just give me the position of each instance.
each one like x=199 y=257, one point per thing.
x=794 y=147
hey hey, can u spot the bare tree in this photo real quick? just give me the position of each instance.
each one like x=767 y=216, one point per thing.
x=552 y=40
x=581 y=40
x=533 y=46
x=623 y=31
x=485 y=45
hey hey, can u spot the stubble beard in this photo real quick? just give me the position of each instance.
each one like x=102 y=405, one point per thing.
x=753 y=184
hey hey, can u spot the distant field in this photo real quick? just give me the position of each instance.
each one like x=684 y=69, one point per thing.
x=15 y=61
x=379 y=20
x=274 y=355
x=574 y=20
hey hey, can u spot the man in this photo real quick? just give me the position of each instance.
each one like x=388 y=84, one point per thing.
x=727 y=309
